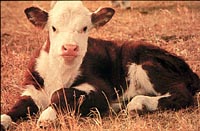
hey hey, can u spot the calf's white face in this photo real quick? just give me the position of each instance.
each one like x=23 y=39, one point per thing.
x=68 y=23
x=68 y=30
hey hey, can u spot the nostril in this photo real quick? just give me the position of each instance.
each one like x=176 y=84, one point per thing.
x=75 y=48
x=64 y=48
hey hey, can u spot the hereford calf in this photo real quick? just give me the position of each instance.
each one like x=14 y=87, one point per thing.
x=72 y=70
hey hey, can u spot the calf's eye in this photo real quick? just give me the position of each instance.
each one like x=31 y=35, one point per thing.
x=53 y=28
x=85 y=29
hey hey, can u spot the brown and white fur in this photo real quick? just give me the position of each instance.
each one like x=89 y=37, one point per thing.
x=71 y=66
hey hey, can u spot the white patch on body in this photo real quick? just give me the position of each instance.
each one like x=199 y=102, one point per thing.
x=87 y=88
x=48 y=115
x=39 y=97
x=5 y=120
x=139 y=83
x=149 y=102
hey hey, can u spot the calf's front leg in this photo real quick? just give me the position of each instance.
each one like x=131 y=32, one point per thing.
x=24 y=107
x=31 y=101
x=80 y=99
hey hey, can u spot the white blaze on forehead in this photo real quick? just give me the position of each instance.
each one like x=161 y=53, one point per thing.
x=65 y=12
x=69 y=5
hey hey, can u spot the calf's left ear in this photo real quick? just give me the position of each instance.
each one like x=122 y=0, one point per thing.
x=36 y=16
x=102 y=16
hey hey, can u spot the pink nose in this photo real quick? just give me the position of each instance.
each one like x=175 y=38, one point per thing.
x=69 y=50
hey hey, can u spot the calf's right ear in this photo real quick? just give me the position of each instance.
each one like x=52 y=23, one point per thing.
x=102 y=16
x=36 y=16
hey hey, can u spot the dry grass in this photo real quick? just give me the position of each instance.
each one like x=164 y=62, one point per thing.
x=174 y=26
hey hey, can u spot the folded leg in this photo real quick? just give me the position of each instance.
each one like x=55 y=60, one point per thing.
x=31 y=101
x=172 y=100
x=81 y=99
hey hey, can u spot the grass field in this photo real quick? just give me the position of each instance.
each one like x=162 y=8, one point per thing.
x=174 y=26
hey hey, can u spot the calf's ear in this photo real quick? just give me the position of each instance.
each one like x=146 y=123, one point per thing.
x=36 y=16
x=102 y=16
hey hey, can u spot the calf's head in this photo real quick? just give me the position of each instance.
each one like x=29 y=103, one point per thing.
x=68 y=23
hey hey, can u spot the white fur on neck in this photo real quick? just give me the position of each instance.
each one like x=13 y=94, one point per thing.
x=56 y=73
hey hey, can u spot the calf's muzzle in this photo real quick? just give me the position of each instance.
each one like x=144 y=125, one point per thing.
x=70 y=50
